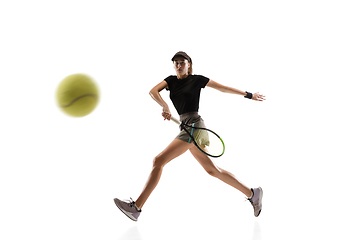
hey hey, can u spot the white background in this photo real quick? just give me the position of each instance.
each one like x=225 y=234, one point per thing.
x=59 y=174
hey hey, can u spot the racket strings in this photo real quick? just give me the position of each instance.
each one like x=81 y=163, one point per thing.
x=206 y=140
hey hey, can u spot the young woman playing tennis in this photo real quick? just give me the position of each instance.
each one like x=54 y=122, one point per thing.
x=185 y=91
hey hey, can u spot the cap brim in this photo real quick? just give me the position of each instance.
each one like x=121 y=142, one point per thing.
x=178 y=55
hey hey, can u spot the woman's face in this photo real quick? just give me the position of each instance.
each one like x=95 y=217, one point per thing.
x=181 y=66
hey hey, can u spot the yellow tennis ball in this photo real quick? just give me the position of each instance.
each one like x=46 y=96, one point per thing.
x=77 y=95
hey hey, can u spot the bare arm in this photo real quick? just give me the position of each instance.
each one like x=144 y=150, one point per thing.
x=225 y=89
x=155 y=94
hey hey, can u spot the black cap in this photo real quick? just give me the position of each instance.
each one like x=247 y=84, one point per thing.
x=182 y=54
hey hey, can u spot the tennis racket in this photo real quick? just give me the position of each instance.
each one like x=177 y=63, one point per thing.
x=206 y=140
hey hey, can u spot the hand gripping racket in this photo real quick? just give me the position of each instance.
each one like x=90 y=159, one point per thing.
x=206 y=140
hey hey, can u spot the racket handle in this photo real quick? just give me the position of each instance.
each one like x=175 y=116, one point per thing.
x=175 y=120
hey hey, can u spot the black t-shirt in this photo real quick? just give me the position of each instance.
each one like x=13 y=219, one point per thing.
x=185 y=93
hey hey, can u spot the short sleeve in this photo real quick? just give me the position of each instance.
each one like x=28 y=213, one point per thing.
x=169 y=81
x=202 y=81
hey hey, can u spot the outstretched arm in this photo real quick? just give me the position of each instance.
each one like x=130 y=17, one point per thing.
x=225 y=89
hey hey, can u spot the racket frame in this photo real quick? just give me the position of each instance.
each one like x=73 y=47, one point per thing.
x=181 y=124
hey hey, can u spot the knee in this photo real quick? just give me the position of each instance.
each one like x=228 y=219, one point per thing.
x=213 y=172
x=158 y=162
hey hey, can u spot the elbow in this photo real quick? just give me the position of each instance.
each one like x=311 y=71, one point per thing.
x=223 y=89
x=152 y=93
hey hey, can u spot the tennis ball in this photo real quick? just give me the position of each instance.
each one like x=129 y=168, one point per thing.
x=77 y=95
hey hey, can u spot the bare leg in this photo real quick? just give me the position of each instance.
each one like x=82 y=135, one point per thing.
x=175 y=149
x=219 y=173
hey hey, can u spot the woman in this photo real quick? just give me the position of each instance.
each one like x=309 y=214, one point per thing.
x=185 y=91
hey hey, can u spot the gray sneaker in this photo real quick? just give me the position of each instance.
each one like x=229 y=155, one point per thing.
x=129 y=208
x=256 y=200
